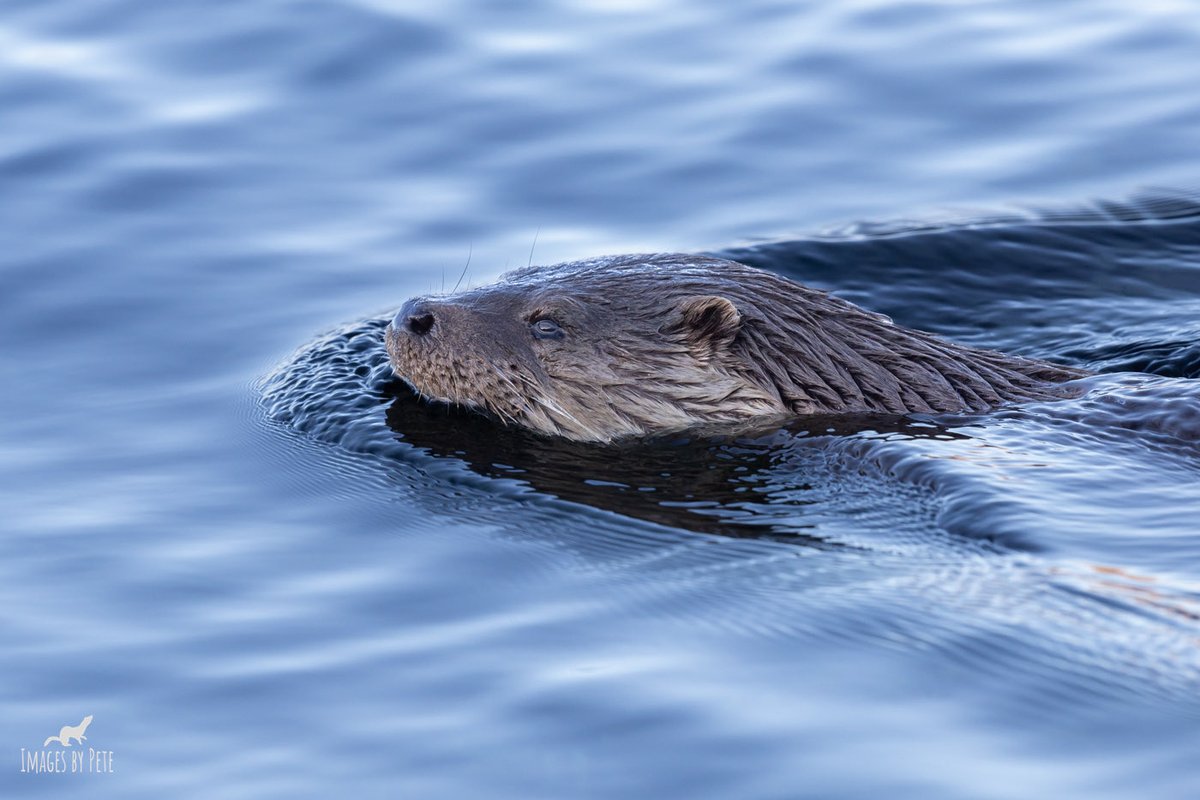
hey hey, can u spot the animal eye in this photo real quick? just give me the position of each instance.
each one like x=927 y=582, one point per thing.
x=546 y=329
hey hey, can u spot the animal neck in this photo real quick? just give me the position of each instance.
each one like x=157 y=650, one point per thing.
x=831 y=356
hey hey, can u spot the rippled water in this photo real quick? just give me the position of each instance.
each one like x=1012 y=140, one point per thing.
x=266 y=570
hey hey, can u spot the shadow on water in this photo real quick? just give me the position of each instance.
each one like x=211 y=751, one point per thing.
x=704 y=484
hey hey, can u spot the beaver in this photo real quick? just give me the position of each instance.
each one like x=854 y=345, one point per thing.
x=640 y=345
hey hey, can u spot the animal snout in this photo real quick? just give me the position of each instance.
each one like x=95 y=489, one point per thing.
x=415 y=317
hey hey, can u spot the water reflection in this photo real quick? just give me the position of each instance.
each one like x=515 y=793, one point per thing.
x=702 y=483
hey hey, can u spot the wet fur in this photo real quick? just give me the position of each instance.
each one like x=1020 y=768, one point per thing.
x=656 y=343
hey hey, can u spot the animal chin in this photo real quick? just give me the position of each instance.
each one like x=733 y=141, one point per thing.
x=432 y=395
x=429 y=395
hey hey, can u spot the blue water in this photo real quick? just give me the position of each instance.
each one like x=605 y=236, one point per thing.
x=267 y=572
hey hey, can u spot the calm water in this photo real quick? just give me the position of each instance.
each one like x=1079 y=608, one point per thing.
x=266 y=571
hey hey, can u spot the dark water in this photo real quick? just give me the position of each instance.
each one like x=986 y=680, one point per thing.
x=267 y=571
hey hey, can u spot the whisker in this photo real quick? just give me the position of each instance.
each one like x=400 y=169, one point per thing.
x=516 y=392
x=535 y=238
x=470 y=249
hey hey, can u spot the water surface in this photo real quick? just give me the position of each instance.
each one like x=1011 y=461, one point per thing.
x=267 y=571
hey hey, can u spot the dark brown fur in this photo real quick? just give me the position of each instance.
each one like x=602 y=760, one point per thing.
x=647 y=344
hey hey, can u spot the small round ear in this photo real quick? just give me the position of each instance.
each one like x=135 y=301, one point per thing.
x=707 y=320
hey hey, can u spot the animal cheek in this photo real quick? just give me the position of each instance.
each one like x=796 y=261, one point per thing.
x=557 y=367
x=577 y=366
x=553 y=356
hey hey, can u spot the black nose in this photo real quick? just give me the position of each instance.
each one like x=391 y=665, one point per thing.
x=415 y=316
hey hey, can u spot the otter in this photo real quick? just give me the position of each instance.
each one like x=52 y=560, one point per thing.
x=641 y=345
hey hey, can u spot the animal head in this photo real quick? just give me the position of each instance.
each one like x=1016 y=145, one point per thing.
x=592 y=350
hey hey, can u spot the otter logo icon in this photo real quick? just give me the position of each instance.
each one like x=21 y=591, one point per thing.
x=69 y=732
